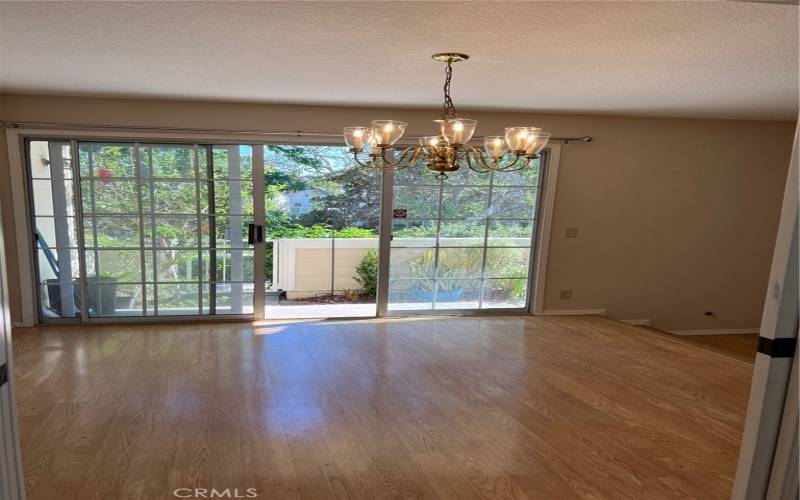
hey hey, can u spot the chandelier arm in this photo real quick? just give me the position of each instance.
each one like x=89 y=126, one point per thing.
x=482 y=160
x=403 y=161
x=523 y=166
x=371 y=164
x=468 y=153
x=510 y=165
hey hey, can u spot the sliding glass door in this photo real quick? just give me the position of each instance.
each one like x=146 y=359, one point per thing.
x=56 y=228
x=138 y=229
x=464 y=243
x=149 y=229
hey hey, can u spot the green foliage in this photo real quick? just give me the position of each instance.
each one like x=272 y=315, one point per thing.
x=367 y=272
x=354 y=194
x=445 y=272
x=467 y=264
x=295 y=154
x=468 y=229
x=317 y=231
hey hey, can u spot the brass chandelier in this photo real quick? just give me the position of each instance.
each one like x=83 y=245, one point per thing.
x=448 y=151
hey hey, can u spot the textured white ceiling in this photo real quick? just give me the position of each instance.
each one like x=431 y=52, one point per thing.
x=696 y=59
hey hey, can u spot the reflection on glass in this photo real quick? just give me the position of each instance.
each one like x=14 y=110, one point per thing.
x=112 y=231
x=507 y=262
x=510 y=233
x=478 y=251
x=230 y=235
x=172 y=197
x=113 y=196
x=459 y=202
x=504 y=293
x=55 y=228
x=233 y=298
x=233 y=162
x=459 y=263
x=178 y=298
x=176 y=265
x=411 y=294
x=168 y=232
x=102 y=160
x=420 y=202
x=123 y=265
x=457 y=294
x=513 y=203
x=233 y=197
x=413 y=233
x=231 y=264
x=412 y=263
x=107 y=298
x=462 y=233
x=47 y=226
x=172 y=161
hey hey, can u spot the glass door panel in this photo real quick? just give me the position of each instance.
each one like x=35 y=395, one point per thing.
x=230 y=210
x=56 y=229
x=149 y=229
x=463 y=243
x=322 y=222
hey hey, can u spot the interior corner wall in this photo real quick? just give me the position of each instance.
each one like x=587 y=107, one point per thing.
x=675 y=217
x=6 y=210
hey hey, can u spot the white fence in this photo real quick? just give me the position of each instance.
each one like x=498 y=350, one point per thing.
x=307 y=266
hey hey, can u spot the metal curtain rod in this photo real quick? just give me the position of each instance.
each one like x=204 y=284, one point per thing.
x=295 y=133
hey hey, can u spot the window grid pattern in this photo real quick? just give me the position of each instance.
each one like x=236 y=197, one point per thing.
x=159 y=241
x=464 y=272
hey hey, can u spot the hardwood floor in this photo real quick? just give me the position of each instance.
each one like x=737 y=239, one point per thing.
x=740 y=346
x=461 y=408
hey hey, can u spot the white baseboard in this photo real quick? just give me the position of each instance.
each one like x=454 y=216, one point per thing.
x=573 y=312
x=722 y=331
x=638 y=322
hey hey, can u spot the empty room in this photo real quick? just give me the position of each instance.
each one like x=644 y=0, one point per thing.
x=376 y=250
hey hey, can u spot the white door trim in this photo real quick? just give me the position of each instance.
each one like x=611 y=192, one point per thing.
x=22 y=226
x=545 y=222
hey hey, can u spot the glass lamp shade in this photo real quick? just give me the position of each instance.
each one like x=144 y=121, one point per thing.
x=357 y=137
x=432 y=141
x=372 y=142
x=387 y=132
x=538 y=144
x=495 y=146
x=457 y=130
x=519 y=139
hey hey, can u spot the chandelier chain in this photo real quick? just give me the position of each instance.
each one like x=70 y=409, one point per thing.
x=448 y=109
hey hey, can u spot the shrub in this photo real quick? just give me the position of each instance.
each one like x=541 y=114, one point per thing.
x=317 y=231
x=367 y=272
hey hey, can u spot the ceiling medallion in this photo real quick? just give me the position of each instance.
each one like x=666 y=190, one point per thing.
x=448 y=151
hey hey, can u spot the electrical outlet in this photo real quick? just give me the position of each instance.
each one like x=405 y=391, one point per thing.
x=571 y=232
x=565 y=294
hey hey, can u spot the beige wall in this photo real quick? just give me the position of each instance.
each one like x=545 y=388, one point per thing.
x=675 y=216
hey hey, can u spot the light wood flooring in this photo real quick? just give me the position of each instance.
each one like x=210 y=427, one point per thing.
x=447 y=408
x=740 y=346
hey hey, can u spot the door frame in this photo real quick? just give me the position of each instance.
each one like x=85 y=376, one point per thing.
x=16 y=137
